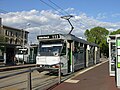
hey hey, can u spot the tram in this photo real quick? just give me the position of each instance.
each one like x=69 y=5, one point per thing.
x=26 y=54
x=70 y=51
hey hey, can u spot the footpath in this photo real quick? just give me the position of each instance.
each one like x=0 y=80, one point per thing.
x=94 y=78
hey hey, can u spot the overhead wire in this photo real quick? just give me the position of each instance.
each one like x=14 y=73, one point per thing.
x=22 y=17
x=51 y=6
x=4 y=11
x=55 y=8
x=58 y=7
x=68 y=15
x=65 y=12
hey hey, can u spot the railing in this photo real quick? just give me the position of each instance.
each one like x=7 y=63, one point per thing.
x=29 y=71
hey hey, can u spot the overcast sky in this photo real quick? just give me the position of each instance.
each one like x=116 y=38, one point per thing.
x=44 y=18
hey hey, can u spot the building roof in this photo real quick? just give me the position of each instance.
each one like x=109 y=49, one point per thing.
x=4 y=26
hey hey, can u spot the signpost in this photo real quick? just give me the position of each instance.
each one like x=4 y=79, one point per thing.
x=118 y=61
x=112 y=54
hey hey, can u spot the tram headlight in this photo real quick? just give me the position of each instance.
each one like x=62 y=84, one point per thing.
x=55 y=66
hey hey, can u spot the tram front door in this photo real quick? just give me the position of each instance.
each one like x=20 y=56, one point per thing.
x=10 y=55
x=70 y=58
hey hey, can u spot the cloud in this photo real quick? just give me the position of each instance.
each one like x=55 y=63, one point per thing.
x=101 y=16
x=116 y=15
x=48 y=22
x=69 y=9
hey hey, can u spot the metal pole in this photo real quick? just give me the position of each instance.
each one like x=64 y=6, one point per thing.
x=29 y=87
x=59 y=72
x=24 y=39
x=23 y=44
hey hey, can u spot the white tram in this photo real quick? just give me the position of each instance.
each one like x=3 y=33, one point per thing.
x=26 y=54
x=73 y=53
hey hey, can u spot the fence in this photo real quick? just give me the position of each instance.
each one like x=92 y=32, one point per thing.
x=29 y=71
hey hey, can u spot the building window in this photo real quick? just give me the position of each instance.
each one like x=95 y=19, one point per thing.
x=11 y=34
x=0 y=30
x=16 y=34
x=26 y=35
x=6 y=40
x=16 y=41
x=11 y=41
x=1 y=53
x=6 y=33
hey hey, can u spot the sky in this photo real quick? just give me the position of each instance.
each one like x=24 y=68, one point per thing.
x=44 y=16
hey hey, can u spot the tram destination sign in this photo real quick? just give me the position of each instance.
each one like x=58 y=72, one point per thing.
x=54 y=36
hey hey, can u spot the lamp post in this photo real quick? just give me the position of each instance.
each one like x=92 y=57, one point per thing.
x=28 y=24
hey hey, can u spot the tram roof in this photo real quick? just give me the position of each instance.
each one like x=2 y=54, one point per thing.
x=73 y=37
x=68 y=37
x=112 y=36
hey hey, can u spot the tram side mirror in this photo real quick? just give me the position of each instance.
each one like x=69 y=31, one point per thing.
x=56 y=54
x=63 y=50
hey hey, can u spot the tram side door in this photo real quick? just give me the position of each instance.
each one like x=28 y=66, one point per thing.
x=70 y=57
x=85 y=47
x=112 y=58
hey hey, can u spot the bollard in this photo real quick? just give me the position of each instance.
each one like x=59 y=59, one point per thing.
x=29 y=87
x=59 y=73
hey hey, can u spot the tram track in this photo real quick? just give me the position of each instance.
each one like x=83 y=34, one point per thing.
x=40 y=81
x=17 y=81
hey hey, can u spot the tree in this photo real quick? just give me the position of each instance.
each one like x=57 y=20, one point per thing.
x=2 y=39
x=98 y=35
x=115 y=32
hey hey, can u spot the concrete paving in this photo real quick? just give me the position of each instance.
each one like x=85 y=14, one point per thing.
x=96 y=78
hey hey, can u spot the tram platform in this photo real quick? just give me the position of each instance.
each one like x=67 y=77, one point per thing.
x=95 y=78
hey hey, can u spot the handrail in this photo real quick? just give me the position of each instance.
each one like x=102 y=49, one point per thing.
x=29 y=86
x=17 y=73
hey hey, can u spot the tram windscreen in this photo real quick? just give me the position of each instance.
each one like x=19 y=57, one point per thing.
x=52 y=49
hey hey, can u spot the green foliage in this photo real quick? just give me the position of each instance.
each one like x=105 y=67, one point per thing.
x=2 y=39
x=98 y=35
x=115 y=32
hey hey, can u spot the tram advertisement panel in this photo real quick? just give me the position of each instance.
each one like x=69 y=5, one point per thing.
x=118 y=52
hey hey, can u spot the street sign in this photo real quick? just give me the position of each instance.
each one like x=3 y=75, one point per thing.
x=118 y=60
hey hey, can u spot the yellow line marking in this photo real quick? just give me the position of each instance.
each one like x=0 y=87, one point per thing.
x=72 y=81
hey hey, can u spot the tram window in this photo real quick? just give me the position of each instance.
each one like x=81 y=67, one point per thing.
x=63 y=50
x=1 y=54
x=76 y=47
